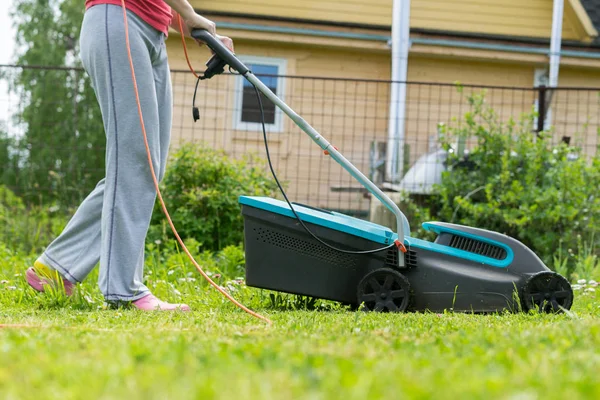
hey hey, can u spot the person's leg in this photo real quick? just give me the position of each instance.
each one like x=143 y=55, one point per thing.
x=129 y=193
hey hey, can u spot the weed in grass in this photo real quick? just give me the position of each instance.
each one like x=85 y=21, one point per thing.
x=584 y=262
x=587 y=265
x=561 y=264
x=287 y=302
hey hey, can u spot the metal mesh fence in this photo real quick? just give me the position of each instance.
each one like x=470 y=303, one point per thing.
x=354 y=116
x=56 y=129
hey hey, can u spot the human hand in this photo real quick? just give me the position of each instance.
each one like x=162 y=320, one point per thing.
x=227 y=42
x=198 y=22
x=195 y=21
x=224 y=39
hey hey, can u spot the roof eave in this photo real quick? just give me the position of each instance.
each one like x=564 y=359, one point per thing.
x=582 y=21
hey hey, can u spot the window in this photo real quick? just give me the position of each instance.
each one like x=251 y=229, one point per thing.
x=247 y=109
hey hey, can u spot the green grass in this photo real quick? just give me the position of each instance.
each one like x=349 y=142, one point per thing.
x=78 y=348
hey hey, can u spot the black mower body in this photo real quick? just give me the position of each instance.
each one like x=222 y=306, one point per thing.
x=465 y=269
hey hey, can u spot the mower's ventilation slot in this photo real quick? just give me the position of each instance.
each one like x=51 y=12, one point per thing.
x=315 y=250
x=477 y=247
x=392 y=258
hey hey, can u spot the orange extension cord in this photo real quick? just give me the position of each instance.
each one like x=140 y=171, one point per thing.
x=162 y=203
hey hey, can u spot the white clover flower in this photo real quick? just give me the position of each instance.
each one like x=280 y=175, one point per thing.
x=231 y=288
x=582 y=281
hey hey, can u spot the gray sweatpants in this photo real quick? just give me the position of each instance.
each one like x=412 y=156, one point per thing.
x=111 y=224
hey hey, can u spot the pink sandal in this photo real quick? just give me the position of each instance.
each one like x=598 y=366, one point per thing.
x=151 y=303
x=48 y=277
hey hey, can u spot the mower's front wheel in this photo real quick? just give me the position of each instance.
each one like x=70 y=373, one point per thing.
x=384 y=290
x=547 y=292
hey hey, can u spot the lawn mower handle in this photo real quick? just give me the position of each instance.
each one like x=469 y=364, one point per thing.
x=220 y=50
x=226 y=55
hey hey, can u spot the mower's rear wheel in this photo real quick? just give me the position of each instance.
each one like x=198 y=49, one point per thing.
x=384 y=290
x=547 y=292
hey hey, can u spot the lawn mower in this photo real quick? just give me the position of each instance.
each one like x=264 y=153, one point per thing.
x=304 y=250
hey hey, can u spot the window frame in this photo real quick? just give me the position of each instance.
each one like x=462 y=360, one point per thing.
x=240 y=125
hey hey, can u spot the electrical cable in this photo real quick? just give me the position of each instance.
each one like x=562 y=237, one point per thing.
x=262 y=117
x=187 y=58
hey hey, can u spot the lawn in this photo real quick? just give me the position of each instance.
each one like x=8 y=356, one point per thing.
x=79 y=348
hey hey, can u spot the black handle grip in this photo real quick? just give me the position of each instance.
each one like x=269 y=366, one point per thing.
x=220 y=50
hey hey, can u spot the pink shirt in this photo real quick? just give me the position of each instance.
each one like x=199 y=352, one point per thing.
x=155 y=13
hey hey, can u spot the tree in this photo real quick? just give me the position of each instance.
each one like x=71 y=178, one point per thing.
x=8 y=160
x=63 y=145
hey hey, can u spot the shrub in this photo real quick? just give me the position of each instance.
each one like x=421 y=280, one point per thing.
x=9 y=203
x=518 y=183
x=27 y=228
x=201 y=190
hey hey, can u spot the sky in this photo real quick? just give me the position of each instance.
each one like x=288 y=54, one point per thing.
x=7 y=39
x=6 y=32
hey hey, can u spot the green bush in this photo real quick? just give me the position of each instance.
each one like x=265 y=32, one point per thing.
x=27 y=228
x=201 y=190
x=10 y=204
x=518 y=183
